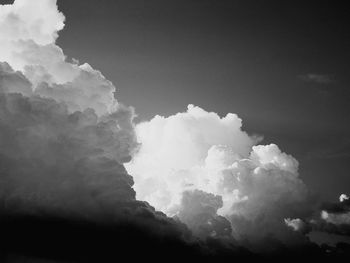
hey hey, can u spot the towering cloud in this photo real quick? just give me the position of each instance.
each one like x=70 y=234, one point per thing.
x=207 y=171
x=62 y=131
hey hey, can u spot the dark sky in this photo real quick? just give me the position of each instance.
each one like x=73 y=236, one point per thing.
x=282 y=66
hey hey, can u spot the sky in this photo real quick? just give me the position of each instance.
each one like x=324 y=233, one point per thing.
x=188 y=128
x=283 y=67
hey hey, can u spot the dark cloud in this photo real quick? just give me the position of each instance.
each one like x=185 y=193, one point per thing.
x=199 y=213
x=66 y=196
x=54 y=163
x=64 y=192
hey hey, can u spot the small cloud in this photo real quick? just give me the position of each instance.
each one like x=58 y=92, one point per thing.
x=343 y=197
x=317 y=78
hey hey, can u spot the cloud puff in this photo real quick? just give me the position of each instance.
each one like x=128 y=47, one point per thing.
x=198 y=156
x=343 y=197
x=29 y=30
x=26 y=20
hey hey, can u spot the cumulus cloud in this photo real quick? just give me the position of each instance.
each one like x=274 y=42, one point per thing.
x=29 y=30
x=197 y=165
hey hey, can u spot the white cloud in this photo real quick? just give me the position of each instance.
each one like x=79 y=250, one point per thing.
x=29 y=30
x=343 y=197
x=198 y=151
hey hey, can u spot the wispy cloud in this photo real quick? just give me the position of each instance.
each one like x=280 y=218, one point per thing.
x=317 y=78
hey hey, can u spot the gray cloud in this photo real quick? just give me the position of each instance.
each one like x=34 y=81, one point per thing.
x=322 y=79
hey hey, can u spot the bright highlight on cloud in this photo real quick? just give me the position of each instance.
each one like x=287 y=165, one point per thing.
x=28 y=33
x=207 y=171
x=343 y=197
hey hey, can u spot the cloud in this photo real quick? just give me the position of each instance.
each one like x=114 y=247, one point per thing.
x=197 y=165
x=28 y=34
x=62 y=150
x=68 y=149
x=71 y=154
x=331 y=218
x=39 y=21
x=199 y=212
x=342 y=206
x=63 y=136
x=322 y=79
x=297 y=225
x=338 y=215
x=64 y=139
x=343 y=197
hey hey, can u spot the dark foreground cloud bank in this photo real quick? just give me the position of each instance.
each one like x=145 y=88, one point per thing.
x=65 y=194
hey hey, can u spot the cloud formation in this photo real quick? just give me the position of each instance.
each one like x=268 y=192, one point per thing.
x=65 y=141
x=59 y=120
x=197 y=165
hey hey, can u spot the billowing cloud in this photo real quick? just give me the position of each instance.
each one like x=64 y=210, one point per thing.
x=29 y=30
x=197 y=165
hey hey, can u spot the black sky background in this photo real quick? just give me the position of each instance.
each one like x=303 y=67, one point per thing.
x=252 y=58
